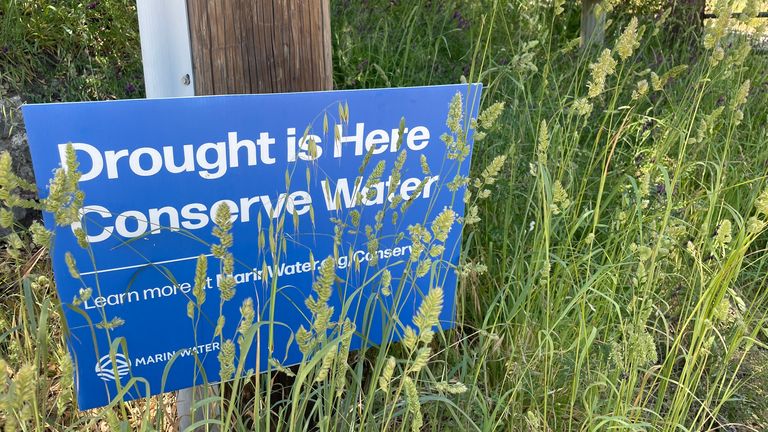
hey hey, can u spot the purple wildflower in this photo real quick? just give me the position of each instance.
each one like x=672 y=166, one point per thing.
x=721 y=101
x=461 y=22
x=648 y=124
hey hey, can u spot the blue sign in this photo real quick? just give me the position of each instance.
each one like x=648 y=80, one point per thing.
x=347 y=176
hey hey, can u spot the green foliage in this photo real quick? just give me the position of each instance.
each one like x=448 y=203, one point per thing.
x=70 y=50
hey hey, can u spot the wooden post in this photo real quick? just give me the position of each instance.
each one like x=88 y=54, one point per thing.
x=262 y=46
x=259 y=46
x=207 y=47
x=592 y=23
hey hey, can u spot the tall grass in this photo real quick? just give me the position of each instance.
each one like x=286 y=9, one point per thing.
x=70 y=50
x=616 y=281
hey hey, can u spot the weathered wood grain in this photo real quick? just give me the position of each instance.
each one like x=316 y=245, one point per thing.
x=260 y=46
x=592 y=23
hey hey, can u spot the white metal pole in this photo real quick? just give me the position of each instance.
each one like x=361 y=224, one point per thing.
x=165 y=48
x=167 y=57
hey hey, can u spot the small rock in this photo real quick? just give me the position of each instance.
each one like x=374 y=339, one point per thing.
x=13 y=139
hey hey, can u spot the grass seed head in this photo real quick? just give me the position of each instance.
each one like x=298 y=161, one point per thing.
x=582 y=107
x=442 y=224
x=386 y=374
x=543 y=143
x=628 y=41
x=428 y=314
x=247 y=315
x=600 y=70
x=641 y=89
x=413 y=403
x=71 y=265
x=227 y=360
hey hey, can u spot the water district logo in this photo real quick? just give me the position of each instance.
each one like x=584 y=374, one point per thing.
x=106 y=370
